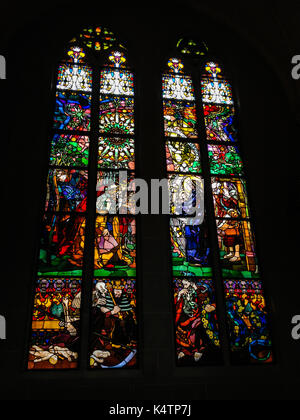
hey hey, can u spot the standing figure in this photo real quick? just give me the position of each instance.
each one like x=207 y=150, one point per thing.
x=232 y=239
x=192 y=305
x=114 y=324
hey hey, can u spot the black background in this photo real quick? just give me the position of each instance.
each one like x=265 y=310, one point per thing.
x=256 y=42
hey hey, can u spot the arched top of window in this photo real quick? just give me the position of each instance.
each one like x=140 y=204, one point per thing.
x=98 y=38
x=93 y=44
x=75 y=73
x=191 y=47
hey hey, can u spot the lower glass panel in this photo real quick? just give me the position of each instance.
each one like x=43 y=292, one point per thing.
x=54 y=340
x=237 y=249
x=196 y=327
x=62 y=245
x=247 y=322
x=191 y=252
x=115 y=246
x=113 y=341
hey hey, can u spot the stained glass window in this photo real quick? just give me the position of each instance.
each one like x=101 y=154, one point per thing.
x=88 y=240
x=196 y=324
x=92 y=137
x=205 y=150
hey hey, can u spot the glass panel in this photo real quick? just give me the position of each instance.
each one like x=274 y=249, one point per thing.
x=216 y=91
x=114 y=324
x=114 y=193
x=179 y=119
x=116 y=82
x=117 y=59
x=248 y=322
x=54 y=342
x=183 y=157
x=72 y=77
x=191 y=254
x=177 y=87
x=66 y=190
x=214 y=88
x=116 y=115
x=69 y=150
x=115 y=247
x=224 y=160
x=197 y=337
x=175 y=66
x=237 y=249
x=186 y=194
x=230 y=198
x=62 y=245
x=72 y=111
x=76 y=55
x=116 y=153
x=219 y=123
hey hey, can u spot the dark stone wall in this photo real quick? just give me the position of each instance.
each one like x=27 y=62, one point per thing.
x=256 y=43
